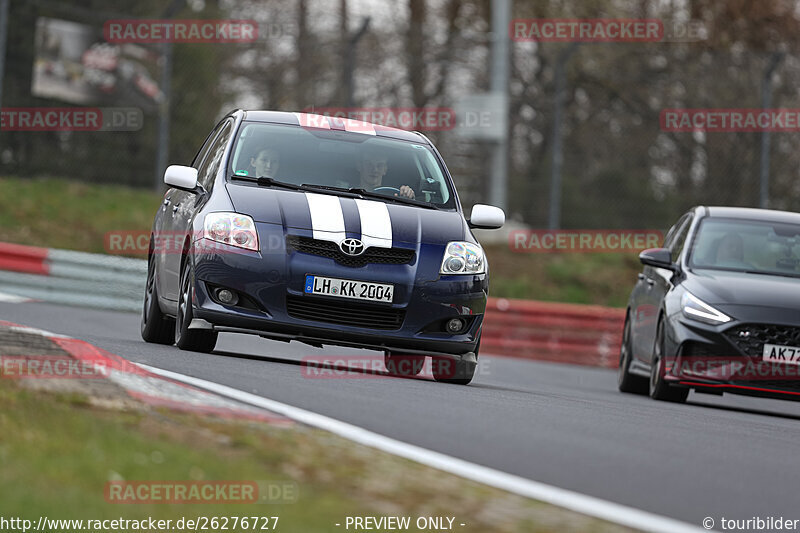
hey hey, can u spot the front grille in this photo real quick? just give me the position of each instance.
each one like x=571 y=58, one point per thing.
x=344 y=312
x=751 y=338
x=372 y=255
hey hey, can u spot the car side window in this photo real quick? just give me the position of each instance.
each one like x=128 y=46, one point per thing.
x=676 y=247
x=211 y=161
x=201 y=154
x=673 y=232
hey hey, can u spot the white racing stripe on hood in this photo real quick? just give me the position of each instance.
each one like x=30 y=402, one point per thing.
x=327 y=219
x=376 y=226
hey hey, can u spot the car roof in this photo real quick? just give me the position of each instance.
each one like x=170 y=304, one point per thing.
x=751 y=213
x=306 y=119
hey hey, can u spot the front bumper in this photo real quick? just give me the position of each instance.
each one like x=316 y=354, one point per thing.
x=270 y=278
x=728 y=357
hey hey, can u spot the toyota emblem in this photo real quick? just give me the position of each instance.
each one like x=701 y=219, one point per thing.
x=352 y=246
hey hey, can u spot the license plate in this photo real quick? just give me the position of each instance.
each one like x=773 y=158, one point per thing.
x=781 y=354
x=345 y=288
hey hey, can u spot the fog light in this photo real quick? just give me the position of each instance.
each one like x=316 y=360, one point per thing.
x=454 y=325
x=227 y=297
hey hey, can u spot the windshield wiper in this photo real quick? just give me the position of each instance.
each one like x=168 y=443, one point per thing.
x=350 y=192
x=398 y=199
x=269 y=182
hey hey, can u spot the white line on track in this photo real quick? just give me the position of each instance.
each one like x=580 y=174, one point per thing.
x=13 y=298
x=574 y=501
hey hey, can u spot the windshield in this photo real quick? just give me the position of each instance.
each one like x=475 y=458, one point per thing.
x=302 y=156
x=747 y=246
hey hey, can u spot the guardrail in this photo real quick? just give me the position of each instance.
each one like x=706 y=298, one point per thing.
x=76 y=278
x=565 y=333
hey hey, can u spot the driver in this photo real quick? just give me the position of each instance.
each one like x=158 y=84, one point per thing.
x=372 y=166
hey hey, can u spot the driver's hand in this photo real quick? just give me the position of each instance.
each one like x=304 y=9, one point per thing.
x=407 y=192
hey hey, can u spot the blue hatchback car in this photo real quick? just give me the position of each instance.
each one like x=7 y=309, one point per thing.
x=322 y=230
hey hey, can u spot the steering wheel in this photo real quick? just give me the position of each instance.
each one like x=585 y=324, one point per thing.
x=384 y=190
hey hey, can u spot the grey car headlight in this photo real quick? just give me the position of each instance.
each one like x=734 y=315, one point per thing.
x=696 y=309
x=463 y=258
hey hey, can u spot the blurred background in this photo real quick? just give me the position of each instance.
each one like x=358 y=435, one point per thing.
x=619 y=170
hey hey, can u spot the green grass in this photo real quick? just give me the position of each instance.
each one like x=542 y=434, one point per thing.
x=584 y=278
x=57 y=453
x=72 y=215
x=76 y=216
x=57 y=456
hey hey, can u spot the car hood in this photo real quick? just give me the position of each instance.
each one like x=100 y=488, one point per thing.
x=718 y=287
x=364 y=219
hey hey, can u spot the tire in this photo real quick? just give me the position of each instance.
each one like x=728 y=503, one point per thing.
x=626 y=382
x=403 y=365
x=155 y=326
x=195 y=340
x=658 y=387
x=453 y=371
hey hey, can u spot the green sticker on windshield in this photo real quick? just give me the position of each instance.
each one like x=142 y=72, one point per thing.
x=241 y=173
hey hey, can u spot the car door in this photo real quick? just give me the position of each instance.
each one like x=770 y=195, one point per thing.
x=165 y=227
x=652 y=287
x=184 y=204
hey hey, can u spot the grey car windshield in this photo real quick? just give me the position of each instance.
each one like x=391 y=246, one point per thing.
x=306 y=156
x=747 y=246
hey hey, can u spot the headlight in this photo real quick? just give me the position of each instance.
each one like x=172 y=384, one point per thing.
x=695 y=308
x=231 y=228
x=463 y=258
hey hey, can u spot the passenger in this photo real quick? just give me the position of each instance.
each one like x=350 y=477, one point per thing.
x=266 y=163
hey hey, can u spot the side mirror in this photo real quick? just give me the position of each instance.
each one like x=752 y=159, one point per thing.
x=659 y=258
x=486 y=217
x=180 y=177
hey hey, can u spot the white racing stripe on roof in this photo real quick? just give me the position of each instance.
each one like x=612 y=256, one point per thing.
x=311 y=120
x=358 y=126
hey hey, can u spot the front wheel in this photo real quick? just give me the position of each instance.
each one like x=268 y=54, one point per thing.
x=625 y=381
x=155 y=326
x=455 y=371
x=195 y=340
x=659 y=388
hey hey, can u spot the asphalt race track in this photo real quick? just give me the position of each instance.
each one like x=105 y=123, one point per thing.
x=563 y=425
